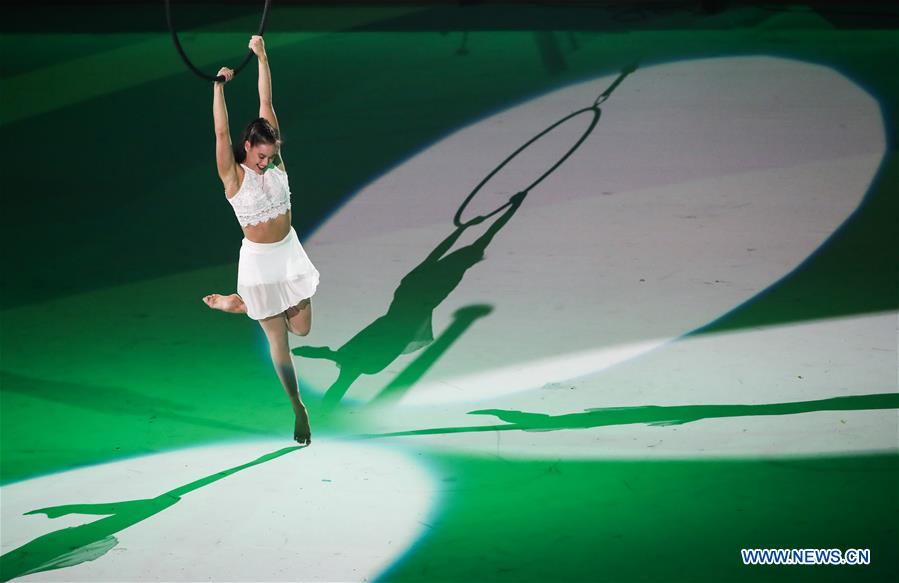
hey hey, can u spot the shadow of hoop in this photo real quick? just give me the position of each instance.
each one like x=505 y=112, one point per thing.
x=593 y=109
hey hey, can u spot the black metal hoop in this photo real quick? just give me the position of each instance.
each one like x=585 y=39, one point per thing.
x=199 y=73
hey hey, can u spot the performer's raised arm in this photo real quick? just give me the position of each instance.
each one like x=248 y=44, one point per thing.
x=266 y=109
x=224 y=153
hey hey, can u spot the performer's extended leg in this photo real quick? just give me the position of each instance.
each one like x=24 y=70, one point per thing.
x=275 y=329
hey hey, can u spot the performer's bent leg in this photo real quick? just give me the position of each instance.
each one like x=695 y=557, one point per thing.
x=299 y=317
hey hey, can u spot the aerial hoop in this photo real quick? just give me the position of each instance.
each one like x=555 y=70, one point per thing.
x=201 y=74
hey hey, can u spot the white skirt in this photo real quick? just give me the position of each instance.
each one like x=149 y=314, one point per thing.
x=272 y=277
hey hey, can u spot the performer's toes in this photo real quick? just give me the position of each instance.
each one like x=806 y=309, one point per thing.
x=301 y=431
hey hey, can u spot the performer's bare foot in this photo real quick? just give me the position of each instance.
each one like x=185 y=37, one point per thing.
x=301 y=432
x=231 y=304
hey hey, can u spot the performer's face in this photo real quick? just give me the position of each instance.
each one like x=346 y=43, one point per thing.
x=260 y=155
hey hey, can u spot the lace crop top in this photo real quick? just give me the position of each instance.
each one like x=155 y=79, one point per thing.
x=261 y=197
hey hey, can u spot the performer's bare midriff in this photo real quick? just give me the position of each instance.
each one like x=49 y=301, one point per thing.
x=270 y=231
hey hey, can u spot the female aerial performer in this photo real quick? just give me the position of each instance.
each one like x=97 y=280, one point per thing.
x=275 y=278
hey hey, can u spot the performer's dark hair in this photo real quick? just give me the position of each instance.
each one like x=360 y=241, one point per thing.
x=258 y=131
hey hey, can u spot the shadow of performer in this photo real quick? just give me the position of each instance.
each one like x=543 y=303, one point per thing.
x=406 y=326
x=77 y=544
x=655 y=415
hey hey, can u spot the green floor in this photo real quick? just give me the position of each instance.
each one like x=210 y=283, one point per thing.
x=113 y=228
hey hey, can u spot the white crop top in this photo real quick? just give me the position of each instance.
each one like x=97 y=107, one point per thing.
x=261 y=197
